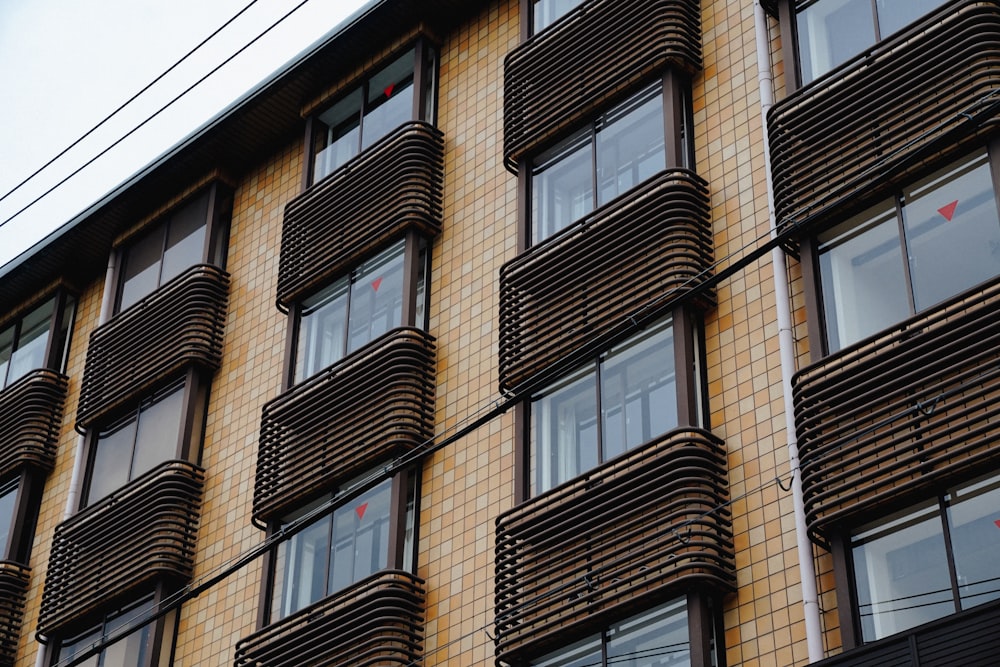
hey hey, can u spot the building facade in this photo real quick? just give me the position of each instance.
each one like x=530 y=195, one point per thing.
x=462 y=341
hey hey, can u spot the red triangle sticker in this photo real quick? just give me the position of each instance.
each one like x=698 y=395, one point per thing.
x=360 y=510
x=948 y=211
x=388 y=89
x=376 y=283
x=997 y=522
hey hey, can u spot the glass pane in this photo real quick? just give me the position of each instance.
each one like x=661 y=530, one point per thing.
x=341 y=140
x=562 y=186
x=141 y=274
x=658 y=638
x=302 y=561
x=421 y=309
x=158 y=433
x=831 y=32
x=862 y=274
x=376 y=297
x=901 y=573
x=630 y=145
x=638 y=391
x=69 y=311
x=586 y=653
x=77 y=646
x=547 y=12
x=322 y=331
x=112 y=460
x=29 y=350
x=952 y=231
x=8 y=498
x=564 y=431
x=390 y=100
x=185 y=238
x=360 y=537
x=896 y=14
x=6 y=350
x=133 y=649
x=974 y=518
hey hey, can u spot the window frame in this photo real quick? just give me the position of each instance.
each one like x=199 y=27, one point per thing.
x=58 y=338
x=27 y=488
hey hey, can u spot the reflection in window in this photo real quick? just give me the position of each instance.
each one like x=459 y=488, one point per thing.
x=337 y=550
x=355 y=310
x=903 y=564
x=8 y=506
x=627 y=398
x=949 y=235
x=24 y=343
x=136 y=649
x=546 y=12
x=657 y=638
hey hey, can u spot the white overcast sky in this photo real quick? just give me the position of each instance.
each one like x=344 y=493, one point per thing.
x=66 y=64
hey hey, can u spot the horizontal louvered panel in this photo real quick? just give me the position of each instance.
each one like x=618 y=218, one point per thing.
x=590 y=57
x=901 y=412
x=378 y=621
x=634 y=530
x=924 y=95
x=372 y=406
x=180 y=324
x=393 y=186
x=14 y=580
x=141 y=534
x=625 y=260
x=31 y=413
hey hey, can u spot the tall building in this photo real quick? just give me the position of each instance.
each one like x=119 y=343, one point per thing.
x=472 y=337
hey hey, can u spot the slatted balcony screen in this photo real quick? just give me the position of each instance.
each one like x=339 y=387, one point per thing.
x=588 y=58
x=374 y=405
x=393 y=186
x=14 y=581
x=901 y=412
x=638 y=529
x=179 y=325
x=378 y=621
x=141 y=534
x=595 y=279
x=31 y=412
x=925 y=95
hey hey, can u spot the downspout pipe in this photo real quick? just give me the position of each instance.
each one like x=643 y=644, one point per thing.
x=786 y=347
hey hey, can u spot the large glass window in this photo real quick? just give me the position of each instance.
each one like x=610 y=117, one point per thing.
x=627 y=397
x=831 y=32
x=546 y=12
x=657 y=638
x=138 y=648
x=356 y=309
x=928 y=561
x=341 y=548
x=24 y=342
x=8 y=508
x=932 y=241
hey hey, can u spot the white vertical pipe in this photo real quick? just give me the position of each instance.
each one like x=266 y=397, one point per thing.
x=786 y=346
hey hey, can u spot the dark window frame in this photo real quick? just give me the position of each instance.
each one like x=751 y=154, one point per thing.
x=60 y=332
x=27 y=488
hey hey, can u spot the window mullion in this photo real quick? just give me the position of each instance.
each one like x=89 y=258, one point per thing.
x=949 y=553
x=599 y=425
x=904 y=246
x=594 y=180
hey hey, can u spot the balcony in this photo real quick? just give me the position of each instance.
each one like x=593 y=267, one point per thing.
x=597 y=278
x=893 y=417
x=142 y=534
x=587 y=59
x=14 y=581
x=634 y=531
x=179 y=325
x=31 y=412
x=393 y=186
x=374 y=405
x=967 y=638
x=378 y=621
x=924 y=96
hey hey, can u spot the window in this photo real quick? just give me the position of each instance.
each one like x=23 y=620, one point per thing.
x=627 y=397
x=620 y=149
x=20 y=498
x=25 y=342
x=357 y=540
x=358 y=308
x=831 y=32
x=382 y=102
x=928 y=561
x=931 y=241
x=545 y=12
x=143 y=647
x=657 y=638
x=186 y=236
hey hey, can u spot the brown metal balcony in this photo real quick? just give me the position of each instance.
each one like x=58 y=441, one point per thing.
x=179 y=325
x=588 y=59
x=897 y=415
x=917 y=99
x=14 y=581
x=374 y=405
x=393 y=186
x=31 y=412
x=142 y=534
x=618 y=265
x=378 y=621
x=639 y=529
